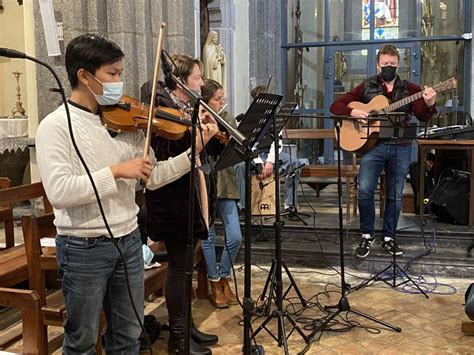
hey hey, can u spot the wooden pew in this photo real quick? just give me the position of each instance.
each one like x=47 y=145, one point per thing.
x=52 y=304
x=6 y=216
x=13 y=265
x=40 y=261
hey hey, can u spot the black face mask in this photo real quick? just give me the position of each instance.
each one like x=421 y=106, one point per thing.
x=388 y=73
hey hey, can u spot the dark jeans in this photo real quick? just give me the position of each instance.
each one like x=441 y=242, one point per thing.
x=93 y=278
x=395 y=159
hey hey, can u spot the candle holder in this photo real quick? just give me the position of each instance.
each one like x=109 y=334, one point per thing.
x=18 y=109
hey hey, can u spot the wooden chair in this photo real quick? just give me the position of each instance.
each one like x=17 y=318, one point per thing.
x=28 y=302
x=39 y=262
x=6 y=216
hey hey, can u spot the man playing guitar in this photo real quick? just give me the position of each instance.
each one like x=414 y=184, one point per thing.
x=391 y=155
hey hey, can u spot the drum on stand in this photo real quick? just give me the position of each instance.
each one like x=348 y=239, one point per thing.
x=263 y=199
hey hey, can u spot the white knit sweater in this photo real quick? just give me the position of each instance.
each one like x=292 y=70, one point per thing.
x=68 y=187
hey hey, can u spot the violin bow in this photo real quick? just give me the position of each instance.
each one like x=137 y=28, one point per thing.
x=151 y=111
x=268 y=84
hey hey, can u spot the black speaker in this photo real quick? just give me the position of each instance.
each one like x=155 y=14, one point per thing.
x=449 y=200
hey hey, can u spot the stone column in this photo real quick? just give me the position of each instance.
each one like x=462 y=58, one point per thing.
x=265 y=41
x=229 y=18
x=133 y=24
x=472 y=67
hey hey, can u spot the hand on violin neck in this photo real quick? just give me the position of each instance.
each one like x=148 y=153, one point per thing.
x=206 y=117
x=204 y=134
x=138 y=168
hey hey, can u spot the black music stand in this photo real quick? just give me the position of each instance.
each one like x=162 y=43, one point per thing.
x=274 y=280
x=254 y=126
x=343 y=304
x=393 y=126
x=281 y=119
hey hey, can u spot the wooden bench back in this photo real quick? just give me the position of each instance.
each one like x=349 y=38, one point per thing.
x=6 y=216
x=306 y=133
x=21 y=193
x=35 y=228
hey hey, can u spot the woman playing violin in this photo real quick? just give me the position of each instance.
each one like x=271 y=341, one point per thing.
x=167 y=207
x=92 y=271
x=228 y=195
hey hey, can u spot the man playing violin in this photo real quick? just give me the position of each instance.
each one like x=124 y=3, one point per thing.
x=167 y=207
x=393 y=156
x=92 y=270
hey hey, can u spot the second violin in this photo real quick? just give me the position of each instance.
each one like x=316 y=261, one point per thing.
x=131 y=114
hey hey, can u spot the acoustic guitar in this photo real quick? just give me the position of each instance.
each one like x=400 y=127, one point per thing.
x=361 y=137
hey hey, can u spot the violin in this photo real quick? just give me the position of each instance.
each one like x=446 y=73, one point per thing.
x=222 y=137
x=130 y=114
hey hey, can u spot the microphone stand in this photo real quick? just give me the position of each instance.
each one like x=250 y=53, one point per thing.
x=233 y=132
x=242 y=140
x=343 y=305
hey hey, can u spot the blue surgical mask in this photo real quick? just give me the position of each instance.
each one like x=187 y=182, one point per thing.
x=111 y=93
x=147 y=254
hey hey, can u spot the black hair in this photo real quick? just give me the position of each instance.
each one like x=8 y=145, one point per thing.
x=209 y=89
x=430 y=157
x=90 y=51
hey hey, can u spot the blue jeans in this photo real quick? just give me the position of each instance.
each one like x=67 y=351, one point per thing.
x=93 y=279
x=395 y=159
x=287 y=164
x=230 y=219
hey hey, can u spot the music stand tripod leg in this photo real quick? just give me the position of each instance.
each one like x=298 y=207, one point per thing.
x=280 y=313
x=397 y=124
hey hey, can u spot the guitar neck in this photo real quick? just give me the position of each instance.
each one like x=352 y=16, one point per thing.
x=445 y=85
x=403 y=102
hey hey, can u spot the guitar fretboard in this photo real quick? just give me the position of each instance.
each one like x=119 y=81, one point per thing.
x=446 y=85
x=403 y=102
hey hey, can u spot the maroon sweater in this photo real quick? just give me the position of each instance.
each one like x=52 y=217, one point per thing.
x=418 y=107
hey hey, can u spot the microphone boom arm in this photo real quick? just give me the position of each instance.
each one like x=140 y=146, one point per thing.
x=234 y=133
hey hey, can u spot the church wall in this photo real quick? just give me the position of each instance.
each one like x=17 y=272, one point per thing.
x=133 y=24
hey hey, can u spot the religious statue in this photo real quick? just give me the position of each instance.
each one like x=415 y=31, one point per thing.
x=340 y=64
x=214 y=59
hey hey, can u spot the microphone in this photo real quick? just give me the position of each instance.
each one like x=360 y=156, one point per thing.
x=165 y=65
x=239 y=117
x=11 y=53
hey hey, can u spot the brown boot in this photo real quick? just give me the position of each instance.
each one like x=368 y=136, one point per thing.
x=217 y=297
x=229 y=295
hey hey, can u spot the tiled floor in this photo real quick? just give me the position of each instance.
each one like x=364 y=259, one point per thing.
x=429 y=326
